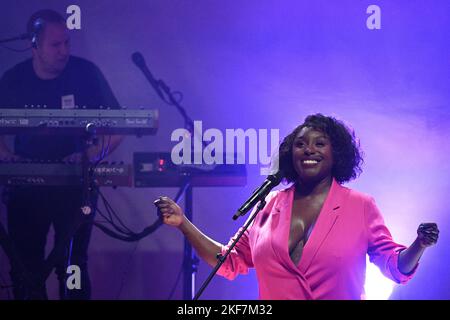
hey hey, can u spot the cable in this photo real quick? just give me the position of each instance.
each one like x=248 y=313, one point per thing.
x=104 y=151
x=122 y=232
x=107 y=147
x=169 y=92
x=125 y=234
x=111 y=212
x=127 y=270
x=129 y=238
x=111 y=222
x=15 y=50
x=177 y=280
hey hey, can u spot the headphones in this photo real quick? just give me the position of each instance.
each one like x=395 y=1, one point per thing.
x=38 y=25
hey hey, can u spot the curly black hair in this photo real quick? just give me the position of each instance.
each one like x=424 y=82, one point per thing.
x=347 y=153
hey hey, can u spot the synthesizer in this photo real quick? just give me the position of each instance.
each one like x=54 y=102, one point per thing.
x=156 y=169
x=79 y=121
x=62 y=174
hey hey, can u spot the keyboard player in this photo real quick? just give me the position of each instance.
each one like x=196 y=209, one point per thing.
x=54 y=79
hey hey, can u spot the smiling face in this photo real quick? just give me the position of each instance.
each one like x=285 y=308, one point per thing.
x=312 y=155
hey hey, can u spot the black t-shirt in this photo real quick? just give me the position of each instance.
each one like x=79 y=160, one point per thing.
x=81 y=84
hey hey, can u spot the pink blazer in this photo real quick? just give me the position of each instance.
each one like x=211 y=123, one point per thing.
x=333 y=262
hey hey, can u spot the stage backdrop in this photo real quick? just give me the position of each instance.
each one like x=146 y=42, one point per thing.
x=382 y=66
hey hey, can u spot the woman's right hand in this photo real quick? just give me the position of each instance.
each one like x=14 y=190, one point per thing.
x=171 y=213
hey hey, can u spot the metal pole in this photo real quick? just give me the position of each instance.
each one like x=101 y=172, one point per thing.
x=190 y=262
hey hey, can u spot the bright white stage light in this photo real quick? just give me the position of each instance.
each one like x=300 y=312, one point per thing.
x=377 y=286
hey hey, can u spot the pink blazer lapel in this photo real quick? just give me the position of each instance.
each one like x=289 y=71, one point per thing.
x=280 y=223
x=324 y=224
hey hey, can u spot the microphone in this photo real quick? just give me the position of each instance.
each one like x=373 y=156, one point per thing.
x=139 y=61
x=259 y=194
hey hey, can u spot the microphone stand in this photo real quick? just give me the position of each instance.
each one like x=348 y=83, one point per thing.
x=188 y=123
x=190 y=259
x=221 y=259
x=159 y=85
x=87 y=170
x=86 y=209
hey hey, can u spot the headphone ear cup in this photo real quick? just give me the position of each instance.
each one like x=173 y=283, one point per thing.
x=38 y=25
x=34 y=41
